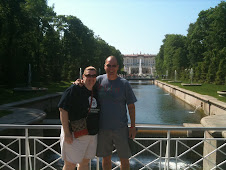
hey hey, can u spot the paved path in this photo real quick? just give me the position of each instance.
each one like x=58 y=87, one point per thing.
x=22 y=116
x=215 y=121
x=26 y=116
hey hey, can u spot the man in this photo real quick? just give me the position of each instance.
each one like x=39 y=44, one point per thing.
x=78 y=147
x=114 y=94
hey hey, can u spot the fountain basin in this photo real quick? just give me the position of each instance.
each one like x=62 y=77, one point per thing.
x=222 y=93
x=30 y=89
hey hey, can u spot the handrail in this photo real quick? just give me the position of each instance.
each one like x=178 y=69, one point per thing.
x=13 y=126
x=139 y=127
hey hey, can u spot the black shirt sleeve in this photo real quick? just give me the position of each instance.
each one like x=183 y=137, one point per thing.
x=65 y=101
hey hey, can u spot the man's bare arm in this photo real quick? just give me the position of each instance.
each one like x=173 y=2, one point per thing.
x=132 y=130
x=79 y=82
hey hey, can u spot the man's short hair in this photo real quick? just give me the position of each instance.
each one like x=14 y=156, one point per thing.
x=111 y=56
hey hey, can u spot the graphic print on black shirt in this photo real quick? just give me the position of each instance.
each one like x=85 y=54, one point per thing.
x=76 y=101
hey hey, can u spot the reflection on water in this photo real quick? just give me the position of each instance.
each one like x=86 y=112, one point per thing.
x=156 y=106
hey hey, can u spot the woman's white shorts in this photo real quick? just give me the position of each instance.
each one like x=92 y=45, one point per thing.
x=82 y=147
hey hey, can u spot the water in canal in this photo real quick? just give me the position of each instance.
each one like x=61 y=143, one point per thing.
x=155 y=106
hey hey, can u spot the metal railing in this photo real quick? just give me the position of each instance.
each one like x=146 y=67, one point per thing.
x=155 y=147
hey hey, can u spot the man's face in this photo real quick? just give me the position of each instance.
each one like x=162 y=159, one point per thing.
x=111 y=67
x=89 y=77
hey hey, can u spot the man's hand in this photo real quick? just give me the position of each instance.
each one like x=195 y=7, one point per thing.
x=68 y=138
x=79 y=82
x=132 y=132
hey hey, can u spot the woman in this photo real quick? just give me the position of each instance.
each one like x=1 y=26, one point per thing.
x=78 y=147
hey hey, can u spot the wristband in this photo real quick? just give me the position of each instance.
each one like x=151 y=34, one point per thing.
x=132 y=127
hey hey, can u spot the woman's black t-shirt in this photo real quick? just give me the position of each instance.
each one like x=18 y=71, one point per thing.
x=76 y=101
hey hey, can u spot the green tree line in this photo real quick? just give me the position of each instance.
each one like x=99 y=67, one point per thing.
x=56 y=46
x=203 y=49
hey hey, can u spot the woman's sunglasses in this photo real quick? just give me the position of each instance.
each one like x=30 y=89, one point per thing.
x=90 y=76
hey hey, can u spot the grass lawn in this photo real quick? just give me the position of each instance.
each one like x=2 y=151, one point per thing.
x=8 y=95
x=205 y=89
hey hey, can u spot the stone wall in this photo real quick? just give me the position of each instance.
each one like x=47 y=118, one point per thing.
x=209 y=105
x=47 y=103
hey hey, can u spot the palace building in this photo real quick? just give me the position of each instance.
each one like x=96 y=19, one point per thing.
x=140 y=64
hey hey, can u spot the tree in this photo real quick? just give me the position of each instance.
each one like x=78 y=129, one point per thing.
x=221 y=74
x=55 y=46
x=159 y=60
x=172 y=55
x=22 y=40
x=205 y=39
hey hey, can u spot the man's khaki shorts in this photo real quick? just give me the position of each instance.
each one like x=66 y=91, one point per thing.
x=108 y=139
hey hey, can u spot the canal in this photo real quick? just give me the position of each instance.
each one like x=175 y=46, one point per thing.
x=156 y=106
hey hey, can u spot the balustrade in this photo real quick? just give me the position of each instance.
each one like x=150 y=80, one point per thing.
x=163 y=147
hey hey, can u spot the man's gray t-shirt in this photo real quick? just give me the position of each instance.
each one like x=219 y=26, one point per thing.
x=114 y=95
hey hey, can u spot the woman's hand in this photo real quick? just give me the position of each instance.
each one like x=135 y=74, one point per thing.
x=68 y=138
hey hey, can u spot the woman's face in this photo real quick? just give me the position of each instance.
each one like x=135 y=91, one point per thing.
x=89 y=78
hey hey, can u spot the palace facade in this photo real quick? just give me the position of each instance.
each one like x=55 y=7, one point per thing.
x=139 y=64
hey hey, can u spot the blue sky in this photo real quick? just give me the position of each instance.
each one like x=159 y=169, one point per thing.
x=134 y=26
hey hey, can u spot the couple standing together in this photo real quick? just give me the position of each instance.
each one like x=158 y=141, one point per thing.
x=111 y=95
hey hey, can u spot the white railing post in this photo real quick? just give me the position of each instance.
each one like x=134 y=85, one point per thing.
x=160 y=154
x=26 y=148
x=20 y=154
x=29 y=157
x=167 y=157
x=176 y=153
x=97 y=164
x=35 y=154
